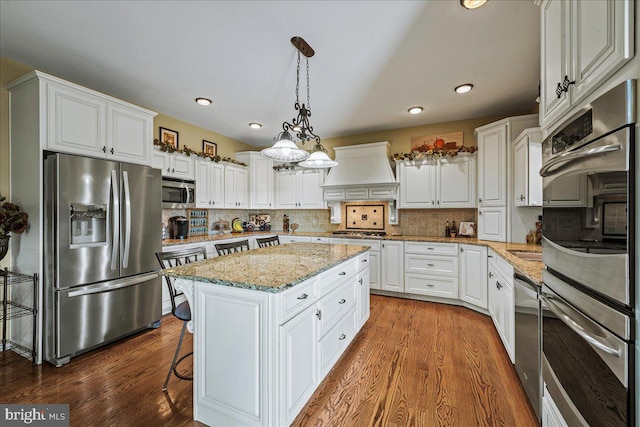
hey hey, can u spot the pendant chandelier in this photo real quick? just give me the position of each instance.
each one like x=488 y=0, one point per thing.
x=285 y=148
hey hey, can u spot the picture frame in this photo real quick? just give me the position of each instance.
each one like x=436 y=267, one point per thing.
x=169 y=136
x=209 y=148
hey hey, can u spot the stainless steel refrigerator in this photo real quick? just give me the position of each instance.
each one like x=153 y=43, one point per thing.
x=102 y=229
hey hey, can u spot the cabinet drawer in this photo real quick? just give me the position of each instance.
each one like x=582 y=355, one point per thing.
x=298 y=298
x=319 y=240
x=335 y=342
x=333 y=306
x=333 y=277
x=373 y=244
x=503 y=266
x=450 y=249
x=363 y=261
x=440 y=266
x=422 y=284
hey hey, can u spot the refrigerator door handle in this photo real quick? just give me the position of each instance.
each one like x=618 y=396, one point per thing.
x=116 y=219
x=112 y=285
x=127 y=220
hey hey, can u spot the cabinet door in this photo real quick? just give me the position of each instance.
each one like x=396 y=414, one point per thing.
x=392 y=266
x=77 y=122
x=473 y=275
x=160 y=160
x=554 y=58
x=492 y=224
x=203 y=196
x=229 y=188
x=508 y=318
x=129 y=135
x=242 y=188
x=492 y=159
x=417 y=186
x=182 y=166
x=520 y=172
x=262 y=177
x=298 y=362
x=216 y=184
x=363 y=297
x=286 y=190
x=600 y=42
x=494 y=300
x=456 y=184
x=374 y=270
x=567 y=191
x=310 y=195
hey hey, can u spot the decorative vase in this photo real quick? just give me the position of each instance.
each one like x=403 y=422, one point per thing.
x=4 y=246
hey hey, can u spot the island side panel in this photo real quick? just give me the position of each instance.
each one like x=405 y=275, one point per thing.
x=233 y=335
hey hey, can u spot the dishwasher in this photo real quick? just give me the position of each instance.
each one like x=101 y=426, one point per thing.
x=528 y=343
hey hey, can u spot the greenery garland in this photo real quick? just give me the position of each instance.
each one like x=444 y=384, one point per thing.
x=166 y=147
x=433 y=153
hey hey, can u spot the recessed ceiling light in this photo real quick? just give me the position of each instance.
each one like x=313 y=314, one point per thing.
x=204 y=101
x=415 y=110
x=464 y=88
x=255 y=125
x=472 y=4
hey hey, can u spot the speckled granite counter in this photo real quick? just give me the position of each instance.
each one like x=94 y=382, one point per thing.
x=531 y=269
x=271 y=269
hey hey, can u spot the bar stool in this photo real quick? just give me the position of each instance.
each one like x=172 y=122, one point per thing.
x=267 y=241
x=229 y=248
x=182 y=311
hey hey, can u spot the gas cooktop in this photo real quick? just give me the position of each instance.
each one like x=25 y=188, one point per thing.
x=360 y=233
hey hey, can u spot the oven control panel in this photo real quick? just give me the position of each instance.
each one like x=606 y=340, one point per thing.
x=574 y=132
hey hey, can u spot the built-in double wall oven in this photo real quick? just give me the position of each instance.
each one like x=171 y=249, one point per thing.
x=588 y=247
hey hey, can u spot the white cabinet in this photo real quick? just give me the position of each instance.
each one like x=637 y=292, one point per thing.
x=583 y=44
x=492 y=224
x=363 y=289
x=391 y=266
x=551 y=415
x=261 y=179
x=293 y=239
x=299 y=189
x=236 y=186
x=568 y=191
x=442 y=183
x=374 y=260
x=501 y=302
x=298 y=361
x=210 y=184
x=527 y=161
x=431 y=269
x=173 y=165
x=85 y=122
x=473 y=275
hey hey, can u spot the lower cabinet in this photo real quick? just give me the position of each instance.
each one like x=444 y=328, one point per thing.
x=293 y=239
x=473 y=275
x=431 y=269
x=502 y=308
x=391 y=266
x=363 y=290
x=551 y=416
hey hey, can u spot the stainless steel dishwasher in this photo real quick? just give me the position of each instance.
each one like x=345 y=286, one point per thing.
x=528 y=345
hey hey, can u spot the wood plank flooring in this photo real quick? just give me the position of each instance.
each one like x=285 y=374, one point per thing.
x=413 y=364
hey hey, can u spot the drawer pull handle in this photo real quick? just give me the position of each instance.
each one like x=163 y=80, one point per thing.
x=319 y=314
x=431 y=285
x=303 y=296
x=343 y=336
x=498 y=285
x=364 y=260
x=490 y=275
x=342 y=273
x=431 y=249
x=342 y=301
x=431 y=265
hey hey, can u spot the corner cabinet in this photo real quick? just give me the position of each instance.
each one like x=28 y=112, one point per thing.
x=441 y=183
x=261 y=179
x=501 y=301
x=299 y=189
x=88 y=123
x=583 y=43
x=527 y=161
x=473 y=275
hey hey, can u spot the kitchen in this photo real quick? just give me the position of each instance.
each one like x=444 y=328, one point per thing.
x=404 y=215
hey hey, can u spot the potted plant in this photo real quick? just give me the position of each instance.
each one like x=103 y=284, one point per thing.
x=12 y=220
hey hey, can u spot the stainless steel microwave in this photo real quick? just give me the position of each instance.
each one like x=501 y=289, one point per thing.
x=178 y=194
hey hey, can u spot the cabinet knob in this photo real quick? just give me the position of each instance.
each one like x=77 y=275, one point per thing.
x=438 y=202
x=559 y=90
x=498 y=285
x=104 y=149
x=461 y=250
x=480 y=200
x=319 y=314
x=566 y=83
x=360 y=280
x=111 y=150
x=479 y=213
x=168 y=169
x=173 y=170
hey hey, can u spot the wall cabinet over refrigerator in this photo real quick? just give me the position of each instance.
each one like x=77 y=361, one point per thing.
x=299 y=189
x=85 y=122
x=583 y=44
x=261 y=179
x=441 y=183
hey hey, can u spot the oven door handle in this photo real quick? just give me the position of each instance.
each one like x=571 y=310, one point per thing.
x=569 y=320
x=575 y=155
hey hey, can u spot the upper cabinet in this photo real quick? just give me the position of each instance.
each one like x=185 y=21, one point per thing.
x=583 y=44
x=81 y=121
x=261 y=179
x=299 y=189
x=444 y=183
x=527 y=161
x=209 y=178
x=236 y=186
x=173 y=165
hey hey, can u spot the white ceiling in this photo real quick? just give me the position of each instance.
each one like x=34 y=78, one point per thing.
x=374 y=59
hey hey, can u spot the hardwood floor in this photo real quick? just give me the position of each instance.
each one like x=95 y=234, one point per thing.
x=413 y=364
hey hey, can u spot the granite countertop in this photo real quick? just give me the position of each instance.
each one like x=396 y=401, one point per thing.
x=531 y=269
x=270 y=269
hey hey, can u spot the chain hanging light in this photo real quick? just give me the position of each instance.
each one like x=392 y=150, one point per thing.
x=285 y=149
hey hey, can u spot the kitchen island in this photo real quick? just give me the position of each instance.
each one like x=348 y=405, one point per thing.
x=268 y=325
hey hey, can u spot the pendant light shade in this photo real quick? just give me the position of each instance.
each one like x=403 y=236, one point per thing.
x=285 y=150
x=318 y=159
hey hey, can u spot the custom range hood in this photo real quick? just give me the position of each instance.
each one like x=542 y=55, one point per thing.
x=364 y=172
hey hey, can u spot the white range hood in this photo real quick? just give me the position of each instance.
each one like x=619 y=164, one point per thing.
x=364 y=172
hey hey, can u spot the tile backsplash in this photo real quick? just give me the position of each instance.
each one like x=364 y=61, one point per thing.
x=430 y=222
